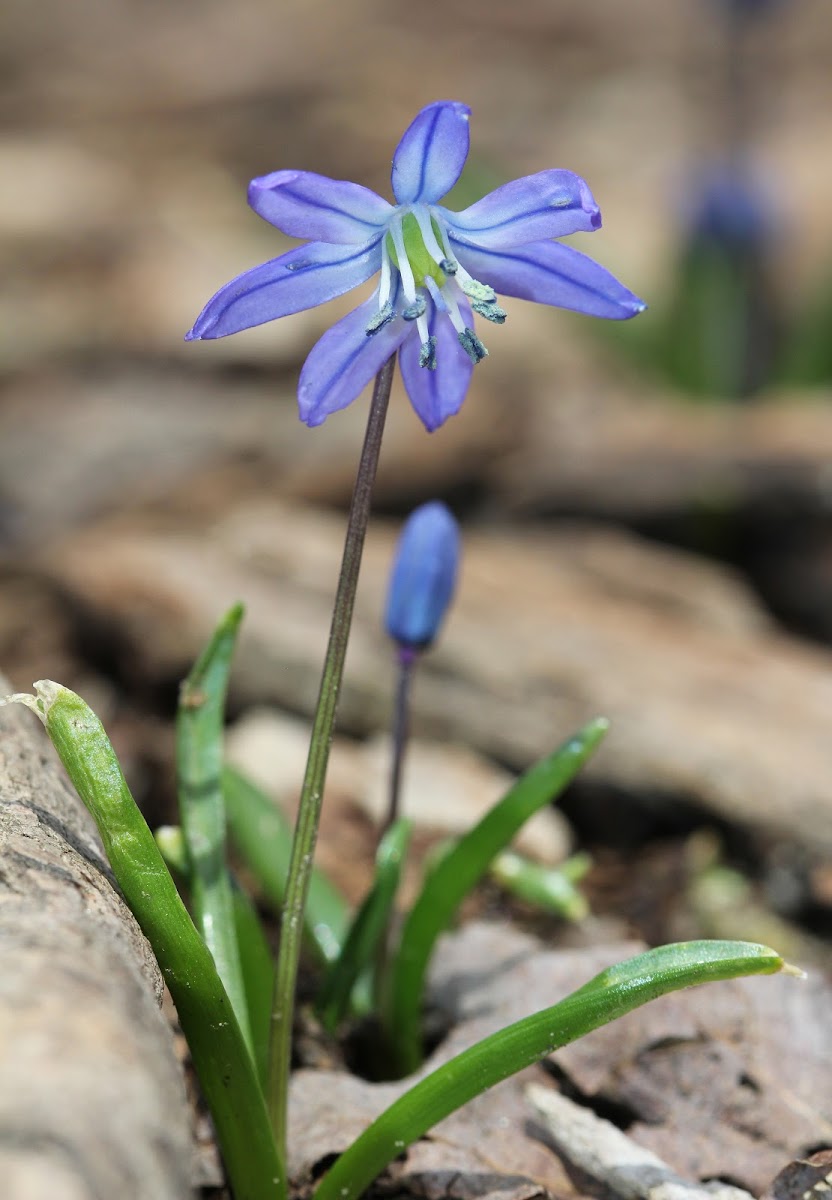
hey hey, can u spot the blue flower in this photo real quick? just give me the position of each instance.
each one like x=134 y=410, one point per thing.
x=437 y=268
x=423 y=578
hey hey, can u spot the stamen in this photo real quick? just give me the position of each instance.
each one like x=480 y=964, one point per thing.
x=475 y=290
x=491 y=312
x=405 y=269
x=415 y=310
x=383 y=317
x=453 y=309
x=446 y=242
x=449 y=266
x=423 y=328
x=386 y=275
x=427 y=354
x=472 y=345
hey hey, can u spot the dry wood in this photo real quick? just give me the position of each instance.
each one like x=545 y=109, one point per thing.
x=92 y=1105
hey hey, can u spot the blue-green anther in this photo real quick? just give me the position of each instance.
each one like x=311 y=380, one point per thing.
x=449 y=266
x=427 y=354
x=489 y=310
x=477 y=291
x=472 y=345
x=415 y=310
x=422 y=262
x=383 y=317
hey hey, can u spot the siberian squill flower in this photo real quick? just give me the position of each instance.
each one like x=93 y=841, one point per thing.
x=436 y=268
x=423 y=577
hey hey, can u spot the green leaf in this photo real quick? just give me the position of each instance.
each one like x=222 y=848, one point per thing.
x=263 y=837
x=369 y=927
x=457 y=873
x=199 y=734
x=258 y=975
x=550 y=888
x=807 y=352
x=219 y=1052
x=255 y=955
x=614 y=992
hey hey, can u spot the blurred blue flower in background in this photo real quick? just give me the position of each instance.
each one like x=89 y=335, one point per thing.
x=423 y=578
x=437 y=268
x=722 y=323
x=749 y=8
x=727 y=205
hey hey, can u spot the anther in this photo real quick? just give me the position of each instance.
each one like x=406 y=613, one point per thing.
x=415 y=310
x=489 y=310
x=472 y=345
x=383 y=317
x=475 y=290
x=448 y=266
x=427 y=354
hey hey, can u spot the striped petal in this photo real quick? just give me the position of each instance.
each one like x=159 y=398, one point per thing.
x=437 y=395
x=344 y=360
x=430 y=157
x=550 y=273
x=303 y=278
x=305 y=205
x=550 y=204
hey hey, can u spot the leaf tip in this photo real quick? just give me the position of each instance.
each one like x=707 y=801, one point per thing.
x=791 y=969
x=46 y=692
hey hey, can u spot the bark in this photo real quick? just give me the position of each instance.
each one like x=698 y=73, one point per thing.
x=92 y=1103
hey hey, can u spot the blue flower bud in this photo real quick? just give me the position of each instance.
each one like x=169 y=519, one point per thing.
x=424 y=576
x=727 y=207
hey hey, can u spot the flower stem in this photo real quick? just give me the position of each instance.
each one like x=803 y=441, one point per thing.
x=306 y=830
x=401 y=727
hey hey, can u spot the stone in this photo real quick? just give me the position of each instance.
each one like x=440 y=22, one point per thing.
x=446 y=788
x=707 y=702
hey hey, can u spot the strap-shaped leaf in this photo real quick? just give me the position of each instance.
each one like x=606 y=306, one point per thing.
x=370 y=924
x=199 y=746
x=263 y=838
x=454 y=876
x=220 y=1055
x=614 y=992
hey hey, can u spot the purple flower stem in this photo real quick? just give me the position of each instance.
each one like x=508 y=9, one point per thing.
x=406 y=658
x=306 y=829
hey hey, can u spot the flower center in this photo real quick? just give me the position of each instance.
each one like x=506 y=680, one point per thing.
x=422 y=262
x=417 y=246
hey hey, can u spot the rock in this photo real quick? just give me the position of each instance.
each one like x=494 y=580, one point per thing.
x=270 y=747
x=536 y=645
x=197 y=443
x=446 y=788
x=92 y=1100
x=604 y=452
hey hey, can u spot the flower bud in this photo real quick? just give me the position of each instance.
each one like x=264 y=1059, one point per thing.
x=727 y=206
x=423 y=577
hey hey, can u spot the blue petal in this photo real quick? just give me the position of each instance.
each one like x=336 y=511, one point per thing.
x=423 y=578
x=430 y=157
x=306 y=205
x=303 y=278
x=344 y=360
x=547 y=205
x=437 y=395
x=550 y=273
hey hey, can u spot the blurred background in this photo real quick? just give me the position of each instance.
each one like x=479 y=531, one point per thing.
x=647 y=507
